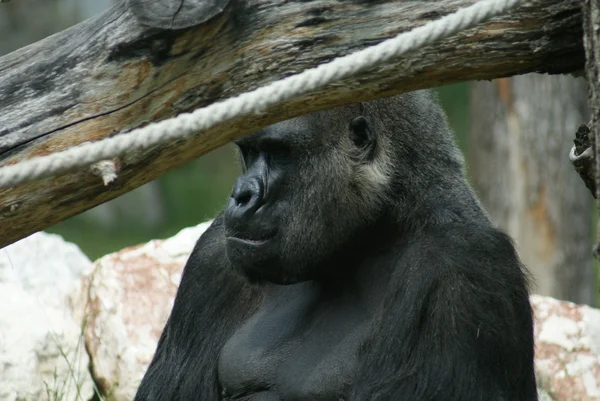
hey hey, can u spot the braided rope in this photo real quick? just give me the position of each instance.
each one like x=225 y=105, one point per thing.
x=187 y=124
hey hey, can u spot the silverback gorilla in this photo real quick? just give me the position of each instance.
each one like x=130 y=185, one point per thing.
x=352 y=262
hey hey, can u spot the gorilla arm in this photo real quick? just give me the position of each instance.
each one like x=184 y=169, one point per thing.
x=210 y=302
x=456 y=314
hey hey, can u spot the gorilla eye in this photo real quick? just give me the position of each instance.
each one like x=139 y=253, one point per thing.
x=275 y=148
x=252 y=153
x=360 y=132
x=249 y=153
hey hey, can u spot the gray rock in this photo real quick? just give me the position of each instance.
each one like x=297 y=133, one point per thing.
x=42 y=355
x=567 y=349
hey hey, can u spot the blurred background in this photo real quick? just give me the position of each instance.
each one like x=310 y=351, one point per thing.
x=516 y=134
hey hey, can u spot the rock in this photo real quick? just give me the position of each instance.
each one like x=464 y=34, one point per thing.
x=42 y=355
x=130 y=294
x=128 y=298
x=567 y=349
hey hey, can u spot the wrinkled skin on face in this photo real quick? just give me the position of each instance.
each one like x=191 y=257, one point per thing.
x=266 y=215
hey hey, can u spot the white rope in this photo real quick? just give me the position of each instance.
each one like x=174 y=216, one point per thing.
x=187 y=124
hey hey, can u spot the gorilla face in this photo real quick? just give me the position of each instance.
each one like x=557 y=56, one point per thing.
x=308 y=186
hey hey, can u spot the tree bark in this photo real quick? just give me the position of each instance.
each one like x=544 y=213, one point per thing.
x=110 y=74
x=591 y=22
x=522 y=129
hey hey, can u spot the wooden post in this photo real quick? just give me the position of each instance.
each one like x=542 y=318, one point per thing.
x=591 y=30
x=521 y=129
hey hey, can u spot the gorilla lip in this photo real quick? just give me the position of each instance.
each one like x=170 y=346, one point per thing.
x=250 y=241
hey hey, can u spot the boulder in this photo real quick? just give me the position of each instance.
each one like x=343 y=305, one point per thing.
x=567 y=349
x=127 y=299
x=42 y=354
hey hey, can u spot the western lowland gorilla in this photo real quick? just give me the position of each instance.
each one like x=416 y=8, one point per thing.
x=352 y=262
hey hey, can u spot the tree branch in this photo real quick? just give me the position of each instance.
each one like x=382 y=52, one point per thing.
x=109 y=74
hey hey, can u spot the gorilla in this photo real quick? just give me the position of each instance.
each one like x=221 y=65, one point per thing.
x=352 y=262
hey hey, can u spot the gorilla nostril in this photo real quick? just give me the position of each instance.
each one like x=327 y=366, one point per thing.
x=243 y=199
x=247 y=193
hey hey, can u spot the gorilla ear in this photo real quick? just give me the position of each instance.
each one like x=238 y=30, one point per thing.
x=362 y=136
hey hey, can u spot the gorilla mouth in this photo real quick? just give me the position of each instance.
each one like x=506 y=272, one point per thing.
x=250 y=241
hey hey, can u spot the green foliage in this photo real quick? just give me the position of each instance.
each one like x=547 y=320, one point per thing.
x=455 y=99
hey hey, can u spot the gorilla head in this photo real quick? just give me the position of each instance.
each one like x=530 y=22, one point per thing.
x=282 y=227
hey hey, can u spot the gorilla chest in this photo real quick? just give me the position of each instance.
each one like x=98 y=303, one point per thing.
x=301 y=346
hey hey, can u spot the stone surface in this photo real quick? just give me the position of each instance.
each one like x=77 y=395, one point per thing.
x=128 y=297
x=567 y=349
x=42 y=356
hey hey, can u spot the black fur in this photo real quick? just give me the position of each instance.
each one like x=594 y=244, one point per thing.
x=353 y=262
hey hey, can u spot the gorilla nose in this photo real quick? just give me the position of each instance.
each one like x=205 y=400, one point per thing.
x=246 y=198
